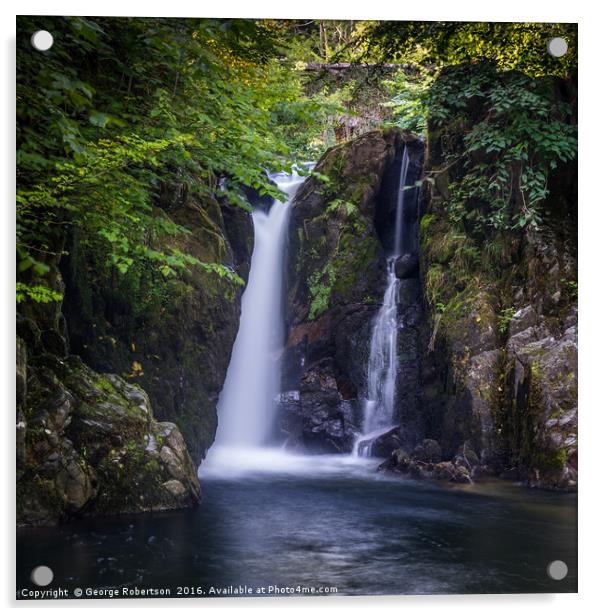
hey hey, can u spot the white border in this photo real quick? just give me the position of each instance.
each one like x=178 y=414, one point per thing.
x=590 y=299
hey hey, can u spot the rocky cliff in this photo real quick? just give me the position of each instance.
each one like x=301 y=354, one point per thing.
x=336 y=277
x=499 y=347
x=117 y=385
x=173 y=339
x=487 y=345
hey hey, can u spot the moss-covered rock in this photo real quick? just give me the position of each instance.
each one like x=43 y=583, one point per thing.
x=499 y=352
x=336 y=278
x=173 y=336
x=542 y=409
x=88 y=443
x=425 y=463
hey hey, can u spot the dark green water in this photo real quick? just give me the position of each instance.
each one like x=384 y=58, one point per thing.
x=343 y=528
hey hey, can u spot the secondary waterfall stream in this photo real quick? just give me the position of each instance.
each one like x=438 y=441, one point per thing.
x=247 y=401
x=379 y=405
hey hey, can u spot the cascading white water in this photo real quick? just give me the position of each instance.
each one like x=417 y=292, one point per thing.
x=401 y=193
x=247 y=402
x=379 y=405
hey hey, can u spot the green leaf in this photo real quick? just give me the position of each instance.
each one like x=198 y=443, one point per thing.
x=99 y=119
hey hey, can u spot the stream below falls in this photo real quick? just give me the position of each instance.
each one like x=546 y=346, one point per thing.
x=322 y=521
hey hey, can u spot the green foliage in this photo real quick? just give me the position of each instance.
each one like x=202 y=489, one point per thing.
x=37 y=293
x=425 y=223
x=509 y=46
x=494 y=253
x=223 y=272
x=120 y=108
x=320 y=40
x=409 y=91
x=550 y=460
x=571 y=288
x=306 y=121
x=524 y=131
x=504 y=318
x=435 y=284
x=350 y=251
x=337 y=204
x=103 y=383
x=455 y=247
x=521 y=133
x=320 y=289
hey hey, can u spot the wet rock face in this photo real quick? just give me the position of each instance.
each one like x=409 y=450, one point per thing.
x=178 y=345
x=388 y=201
x=427 y=451
x=409 y=379
x=513 y=397
x=481 y=376
x=407 y=266
x=336 y=277
x=542 y=396
x=425 y=463
x=88 y=443
x=317 y=419
x=383 y=445
x=498 y=350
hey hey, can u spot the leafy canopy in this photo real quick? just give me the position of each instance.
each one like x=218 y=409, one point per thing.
x=119 y=108
x=497 y=81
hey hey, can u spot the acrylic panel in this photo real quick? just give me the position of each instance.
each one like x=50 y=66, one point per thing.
x=296 y=307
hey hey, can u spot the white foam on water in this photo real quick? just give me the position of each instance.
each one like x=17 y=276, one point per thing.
x=237 y=462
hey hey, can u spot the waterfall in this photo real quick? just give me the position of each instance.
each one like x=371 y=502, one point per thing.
x=379 y=404
x=246 y=404
x=401 y=193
